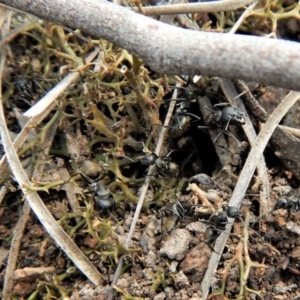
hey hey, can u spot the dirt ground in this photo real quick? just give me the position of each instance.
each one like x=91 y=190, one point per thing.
x=90 y=156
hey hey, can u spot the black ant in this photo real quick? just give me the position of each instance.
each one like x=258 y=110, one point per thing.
x=217 y=224
x=205 y=182
x=285 y=203
x=27 y=88
x=181 y=120
x=93 y=172
x=105 y=202
x=223 y=118
x=164 y=164
x=290 y=202
x=174 y=214
x=236 y=213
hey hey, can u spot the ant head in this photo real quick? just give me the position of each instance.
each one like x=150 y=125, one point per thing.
x=233 y=212
x=233 y=114
x=222 y=217
x=281 y=203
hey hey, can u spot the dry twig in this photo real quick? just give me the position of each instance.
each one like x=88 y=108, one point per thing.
x=212 y=54
x=188 y=8
x=245 y=177
x=39 y=208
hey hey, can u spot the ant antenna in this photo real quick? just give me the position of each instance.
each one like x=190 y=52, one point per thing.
x=256 y=220
x=236 y=97
x=130 y=159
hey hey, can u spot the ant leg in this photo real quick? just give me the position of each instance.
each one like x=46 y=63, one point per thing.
x=130 y=159
x=189 y=157
x=39 y=86
x=174 y=99
x=86 y=178
x=178 y=121
x=206 y=127
x=227 y=124
x=192 y=115
x=249 y=228
x=223 y=104
x=107 y=210
x=231 y=135
x=211 y=248
x=215 y=140
x=210 y=109
x=236 y=97
x=112 y=216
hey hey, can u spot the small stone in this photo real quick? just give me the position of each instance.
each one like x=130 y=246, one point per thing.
x=150 y=259
x=195 y=263
x=173 y=266
x=177 y=244
x=198 y=227
x=123 y=283
x=160 y=296
x=181 y=281
x=128 y=221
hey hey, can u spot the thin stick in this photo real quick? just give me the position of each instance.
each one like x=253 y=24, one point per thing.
x=144 y=190
x=20 y=227
x=238 y=23
x=245 y=177
x=291 y=130
x=14 y=252
x=231 y=93
x=193 y=7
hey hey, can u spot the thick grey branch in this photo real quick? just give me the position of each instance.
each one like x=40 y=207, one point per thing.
x=171 y=50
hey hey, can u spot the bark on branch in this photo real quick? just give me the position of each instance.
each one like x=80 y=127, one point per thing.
x=171 y=50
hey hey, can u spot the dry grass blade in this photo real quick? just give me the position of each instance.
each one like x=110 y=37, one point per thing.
x=144 y=189
x=39 y=111
x=231 y=93
x=245 y=177
x=41 y=211
x=43 y=106
x=20 y=227
x=249 y=129
x=14 y=251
